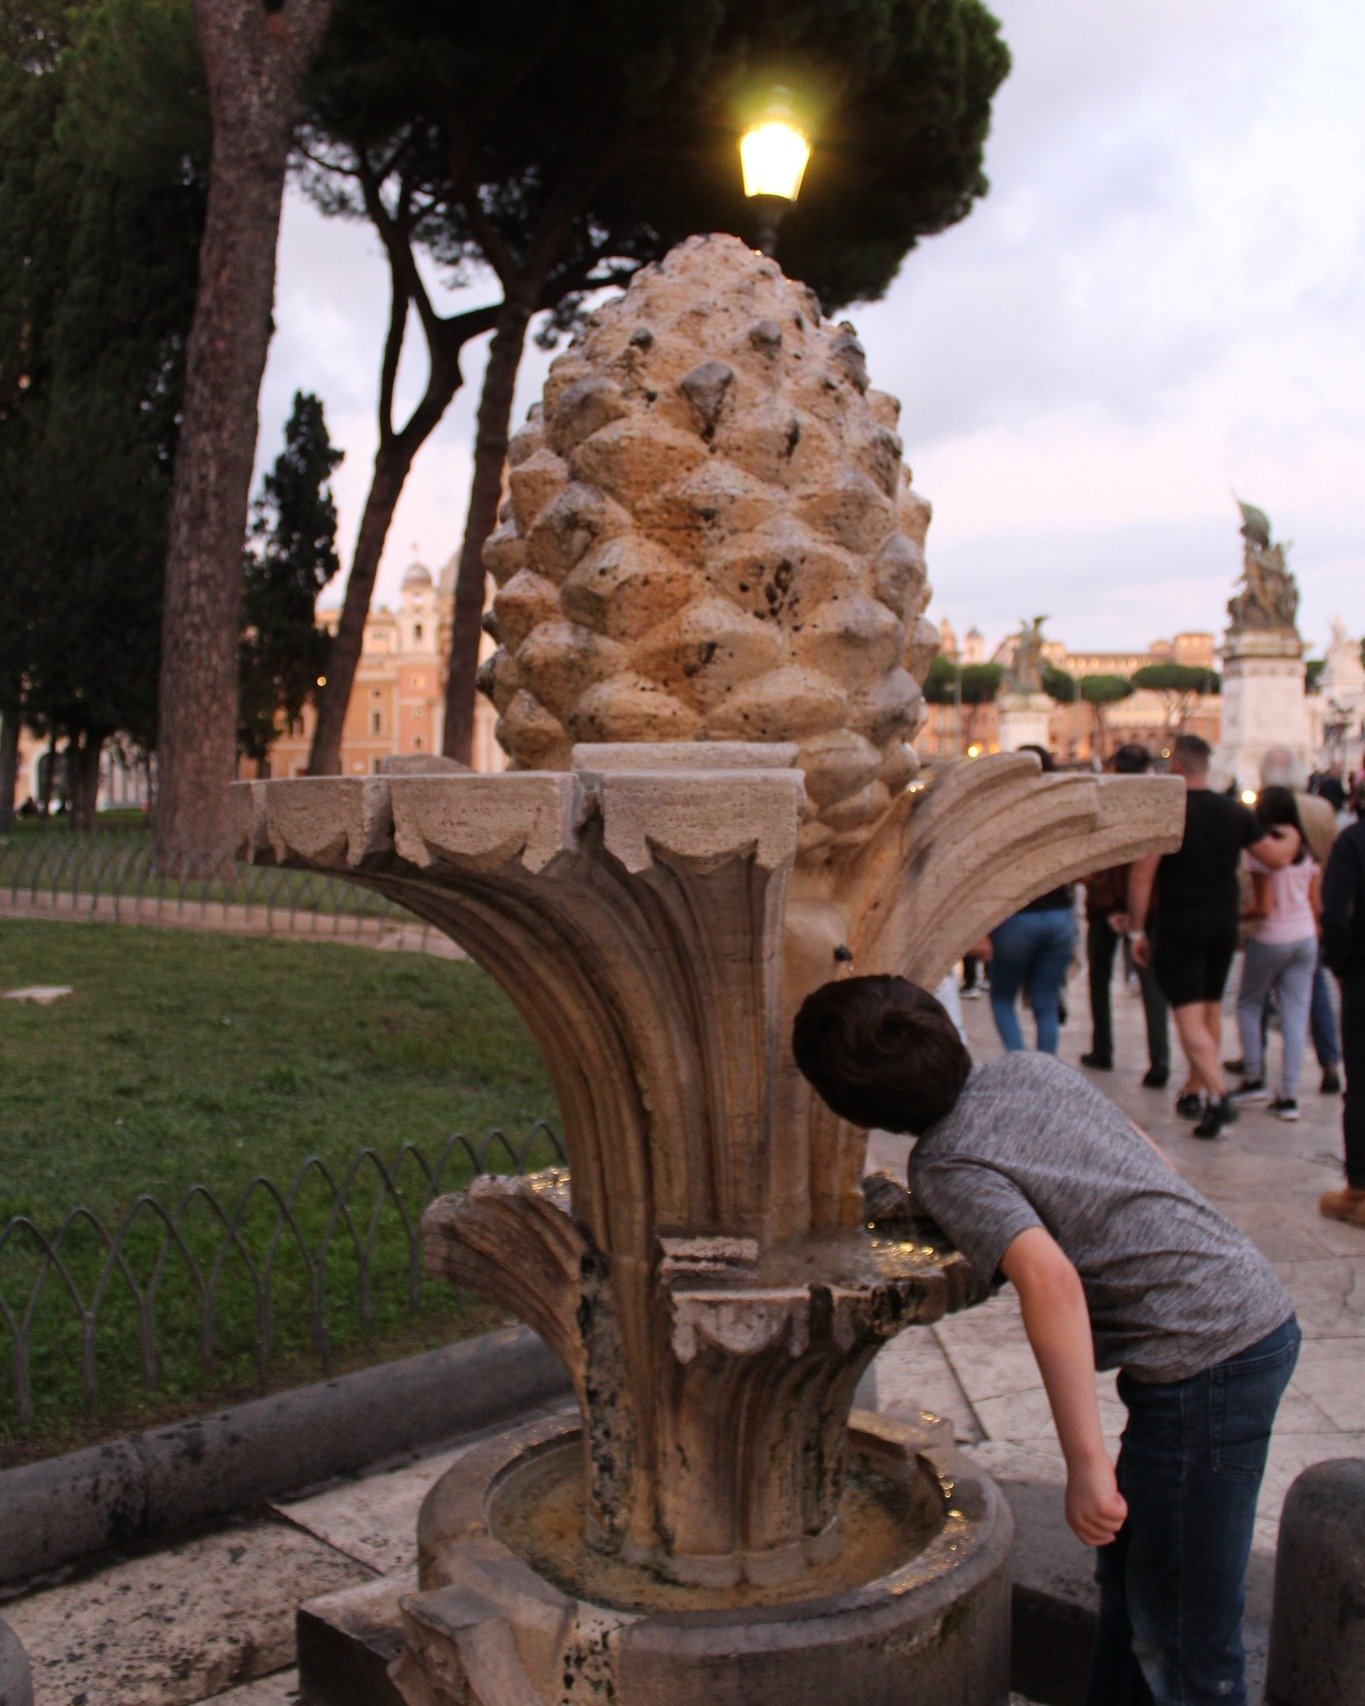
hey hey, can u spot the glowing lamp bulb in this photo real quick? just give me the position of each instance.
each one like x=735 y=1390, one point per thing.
x=1248 y=796
x=322 y=681
x=973 y=751
x=773 y=156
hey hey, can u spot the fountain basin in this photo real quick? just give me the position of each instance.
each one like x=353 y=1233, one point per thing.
x=910 y=1602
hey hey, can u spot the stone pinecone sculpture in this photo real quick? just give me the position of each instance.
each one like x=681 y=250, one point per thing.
x=710 y=535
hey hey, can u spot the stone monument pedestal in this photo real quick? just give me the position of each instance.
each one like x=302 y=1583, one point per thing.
x=1264 y=704
x=1024 y=720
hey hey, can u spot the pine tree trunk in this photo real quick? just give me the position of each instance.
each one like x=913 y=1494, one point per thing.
x=485 y=493
x=9 y=766
x=255 y=60
x=83 y=779
x=391 y=465
x=47 y=776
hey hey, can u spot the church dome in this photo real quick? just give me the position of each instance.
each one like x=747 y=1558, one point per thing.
x=416 y=577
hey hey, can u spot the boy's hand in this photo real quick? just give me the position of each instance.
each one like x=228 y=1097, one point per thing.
x=1095 y=1509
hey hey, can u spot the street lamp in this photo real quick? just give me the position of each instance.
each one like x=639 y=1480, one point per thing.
x=773 y=155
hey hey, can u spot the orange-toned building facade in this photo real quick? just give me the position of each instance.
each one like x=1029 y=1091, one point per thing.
x=398 y=700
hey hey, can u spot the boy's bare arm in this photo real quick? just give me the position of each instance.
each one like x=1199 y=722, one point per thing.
x=1058 y=1326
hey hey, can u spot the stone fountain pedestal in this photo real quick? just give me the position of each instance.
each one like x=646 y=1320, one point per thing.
x=932 y=1616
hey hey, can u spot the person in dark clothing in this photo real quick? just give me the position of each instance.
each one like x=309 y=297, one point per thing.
x=1343 y=952
x=1106 y=912
x=1192 y=901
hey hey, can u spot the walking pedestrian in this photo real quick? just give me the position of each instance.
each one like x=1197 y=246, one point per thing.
x=1281 y=954
x=1194 y=901
x=1031 y=951
x=1106 y=912
x=1343 y=950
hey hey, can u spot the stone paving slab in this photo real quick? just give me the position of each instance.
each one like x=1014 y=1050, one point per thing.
x=179 y=1625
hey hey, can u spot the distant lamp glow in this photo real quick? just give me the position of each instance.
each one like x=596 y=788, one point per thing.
x=973 y=751
x=1248 y=796
x=322 y=681
x=773 y=155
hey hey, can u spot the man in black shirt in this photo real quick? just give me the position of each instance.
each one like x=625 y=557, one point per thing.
x=1343 y=950
x=1193 y=899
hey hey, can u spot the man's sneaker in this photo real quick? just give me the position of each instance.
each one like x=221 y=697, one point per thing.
x=1284 y=1107
x=1156 y=1078
x=974 y=993
x=1216 y=1116
x=1251 y=1090
x=1331 y=1081
x=1237 y=1066
x=1189 y=1104
x=1098 y=1062
x=1347 y=1204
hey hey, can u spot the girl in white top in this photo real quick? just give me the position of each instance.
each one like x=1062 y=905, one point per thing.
x=1281 y=955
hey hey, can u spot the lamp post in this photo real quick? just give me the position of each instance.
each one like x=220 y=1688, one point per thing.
x=773 y=155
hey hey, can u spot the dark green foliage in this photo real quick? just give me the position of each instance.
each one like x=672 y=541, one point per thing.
x=1104 y=689
x=290 y=557
x=1179 y=678
x=940 y=682
x=103 y=146
x=627 y=113
x=1059 y=684
x=948 y=683
x=1312 y=673
x=981 y=682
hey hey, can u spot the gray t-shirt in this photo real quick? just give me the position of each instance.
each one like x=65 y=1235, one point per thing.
x=1172 y=1287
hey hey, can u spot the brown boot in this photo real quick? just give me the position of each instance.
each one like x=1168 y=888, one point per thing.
x=1347 y=1204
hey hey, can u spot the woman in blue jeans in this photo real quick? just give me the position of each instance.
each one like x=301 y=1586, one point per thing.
x=1031 y=951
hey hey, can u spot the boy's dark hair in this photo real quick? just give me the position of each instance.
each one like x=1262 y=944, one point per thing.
x=881 y=1052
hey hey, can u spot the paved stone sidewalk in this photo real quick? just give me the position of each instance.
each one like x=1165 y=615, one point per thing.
x=213 y=1616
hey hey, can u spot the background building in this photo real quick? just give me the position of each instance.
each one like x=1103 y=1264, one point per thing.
x=1077 y=733
x=398 y=700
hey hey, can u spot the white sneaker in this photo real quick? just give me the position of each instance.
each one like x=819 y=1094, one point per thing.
x=1284 y=1107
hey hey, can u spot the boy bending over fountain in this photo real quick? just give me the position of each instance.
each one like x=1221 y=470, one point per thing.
x=1118 y=1263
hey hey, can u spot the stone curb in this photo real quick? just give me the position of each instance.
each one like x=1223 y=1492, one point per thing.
x=16 y=1682
x=152 y=1485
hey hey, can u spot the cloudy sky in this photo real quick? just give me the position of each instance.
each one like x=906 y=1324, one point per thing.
x=1162 y=298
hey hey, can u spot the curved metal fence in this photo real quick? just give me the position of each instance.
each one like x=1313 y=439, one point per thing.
x=112 y=875
x=167 y=1297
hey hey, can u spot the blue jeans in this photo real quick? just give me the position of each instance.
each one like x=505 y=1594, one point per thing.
x=1030 y=950
x=1172 y=1583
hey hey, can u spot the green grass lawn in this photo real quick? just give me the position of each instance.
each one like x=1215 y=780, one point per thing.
x=186 y=1059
